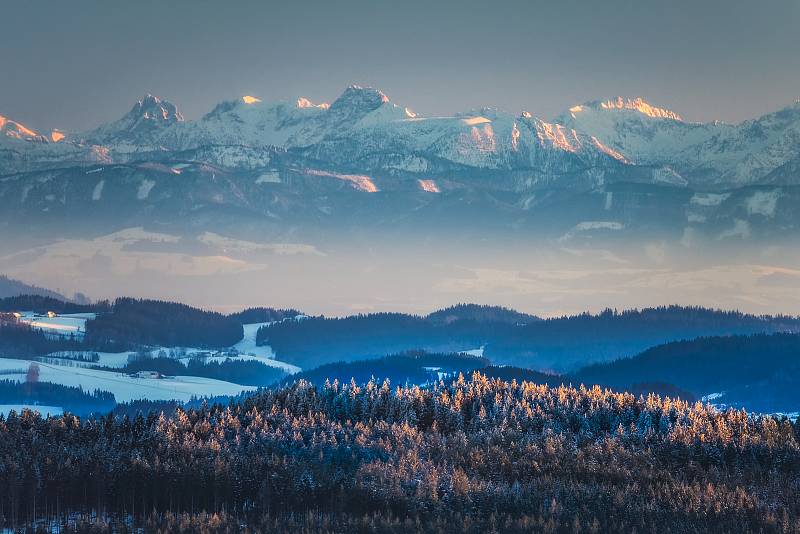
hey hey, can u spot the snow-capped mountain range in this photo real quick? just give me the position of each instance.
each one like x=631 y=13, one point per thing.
x=364 y=131
x=281 y=158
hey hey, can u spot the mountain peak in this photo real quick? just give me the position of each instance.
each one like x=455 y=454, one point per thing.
x=16 y=130
x=152 y=108
x=304 y=102
x=361 y=98
x=637 y=104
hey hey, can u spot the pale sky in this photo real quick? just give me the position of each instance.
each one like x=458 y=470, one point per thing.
x=74 y=65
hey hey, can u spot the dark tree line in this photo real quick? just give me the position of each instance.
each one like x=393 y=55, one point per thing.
x=43 y=304
x=560 y=344
x=759 y=371
x=245 y=372
x=470 y=456
x=318 y=340
x=262 y=315
x=18 y=340
x=416 y=367
x=71 y=399
x=480 y=313
x=137 y=322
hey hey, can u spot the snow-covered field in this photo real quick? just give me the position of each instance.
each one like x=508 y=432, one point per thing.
x=64 y=325
x=72 y=368
x=124 y=388
x=71 y=358
x=5 y=409
x=247 y=347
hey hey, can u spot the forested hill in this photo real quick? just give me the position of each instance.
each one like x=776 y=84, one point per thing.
x=13 y=288
x=758 y=371
x=474 y=456
x=559 y=344
x=262 y=315
x=44 y=303
x=153 y=322
x=480 y=314
x=408 y=368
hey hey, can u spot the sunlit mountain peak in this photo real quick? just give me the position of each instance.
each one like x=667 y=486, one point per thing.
x=247 y=99
x=304 y=102
x=635 y=104
x=16 y=130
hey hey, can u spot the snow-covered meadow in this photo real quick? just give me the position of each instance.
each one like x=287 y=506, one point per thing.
x=62 y=325
x=125 y=388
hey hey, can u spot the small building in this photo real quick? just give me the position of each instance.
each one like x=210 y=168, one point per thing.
x=52 y=314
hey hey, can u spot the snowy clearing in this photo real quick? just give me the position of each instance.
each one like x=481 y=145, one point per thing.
x=64 y=325
x=124 y=388
x=247 y=347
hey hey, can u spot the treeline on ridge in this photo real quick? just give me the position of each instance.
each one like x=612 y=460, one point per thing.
x=171 y=324
x=559 y=344
x=414 y=367
x=758 y=371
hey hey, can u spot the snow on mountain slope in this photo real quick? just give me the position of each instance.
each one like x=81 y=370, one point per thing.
x=14 y=130
x=363 y=132
x=642 y=133
x=706 y=155
x=148 y=122
x=250 y=121
x=23 y=149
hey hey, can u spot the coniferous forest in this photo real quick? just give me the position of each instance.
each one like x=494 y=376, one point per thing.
x=472 y=455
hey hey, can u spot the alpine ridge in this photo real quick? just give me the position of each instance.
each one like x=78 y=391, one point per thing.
x=635 y=166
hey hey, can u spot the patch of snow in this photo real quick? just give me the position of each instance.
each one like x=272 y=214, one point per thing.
x=763 y=203
x=709 y=199
x=740 y=229
x=712 y=396
x=358 y=181
x=429 y=186
x=588 y=226
x=97 y=193
x=264 y=353
x=67 y=324
x=609 y=201
x=124 y=387
x=144 y=189
x=270 y=177
x=112 y=360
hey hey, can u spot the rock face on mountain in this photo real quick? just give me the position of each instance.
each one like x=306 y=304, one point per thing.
x=608 y=167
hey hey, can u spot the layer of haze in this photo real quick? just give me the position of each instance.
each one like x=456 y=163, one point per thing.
x=545 y=278
x=74 y=65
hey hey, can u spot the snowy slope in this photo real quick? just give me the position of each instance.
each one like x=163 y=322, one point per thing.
x=249 y=350
x=705 y=154
x=124 y=388
x=362 y=133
